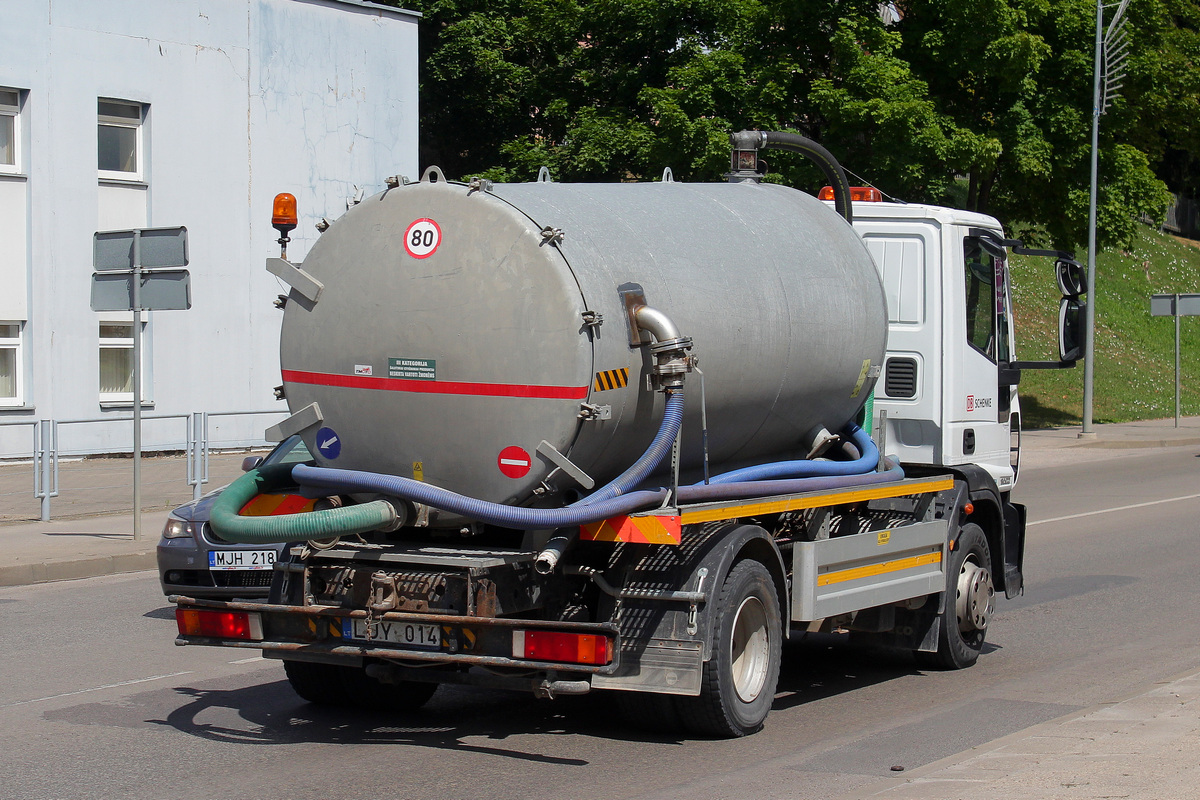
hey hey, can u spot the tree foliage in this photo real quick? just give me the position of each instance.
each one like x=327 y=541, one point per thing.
x=983 y=104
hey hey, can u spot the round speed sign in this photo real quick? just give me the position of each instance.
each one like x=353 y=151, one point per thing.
x=422 y=238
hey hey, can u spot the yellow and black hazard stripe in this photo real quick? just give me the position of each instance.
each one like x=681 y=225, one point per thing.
x=611 y=379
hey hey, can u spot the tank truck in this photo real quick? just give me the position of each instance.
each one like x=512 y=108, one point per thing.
x=628 y=437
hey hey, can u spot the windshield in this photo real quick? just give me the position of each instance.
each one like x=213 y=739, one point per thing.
x=290 y=451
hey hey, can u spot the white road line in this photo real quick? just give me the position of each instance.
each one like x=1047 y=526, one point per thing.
x=97 y=689
x=1110 y=510
x=248 y=660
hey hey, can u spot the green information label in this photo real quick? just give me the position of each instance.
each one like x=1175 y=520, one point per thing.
x=413 y=369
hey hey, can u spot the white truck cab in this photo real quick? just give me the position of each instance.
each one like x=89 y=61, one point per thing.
x=941 y=400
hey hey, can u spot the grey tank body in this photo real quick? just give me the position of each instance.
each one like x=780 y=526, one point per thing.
x=454 y=365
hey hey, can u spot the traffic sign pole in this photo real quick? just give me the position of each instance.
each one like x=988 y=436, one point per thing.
x=137 y=386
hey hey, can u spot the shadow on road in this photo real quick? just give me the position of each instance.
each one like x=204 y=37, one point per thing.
x=455 y=719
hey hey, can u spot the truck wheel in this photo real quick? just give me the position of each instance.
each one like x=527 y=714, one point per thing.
x=739 y=680
x=970 y=598
x=317 y=683
x=336 y=685
x=372 y=695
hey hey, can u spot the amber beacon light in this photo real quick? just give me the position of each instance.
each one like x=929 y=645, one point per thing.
x=283 y=217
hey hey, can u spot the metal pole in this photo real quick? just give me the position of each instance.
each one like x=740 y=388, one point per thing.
x=1176 y=361
x=1090 y=310
x=137 y=385
x=45 y=468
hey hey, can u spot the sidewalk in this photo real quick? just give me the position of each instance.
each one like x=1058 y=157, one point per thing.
x=89 y=534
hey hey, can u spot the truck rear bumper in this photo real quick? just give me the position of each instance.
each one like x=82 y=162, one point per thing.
x=318 y=633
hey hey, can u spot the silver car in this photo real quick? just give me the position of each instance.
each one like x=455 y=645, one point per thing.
x=194 y=561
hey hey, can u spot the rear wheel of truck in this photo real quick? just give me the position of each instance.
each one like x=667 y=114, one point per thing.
x=336 y=685
x=372 y=695
x=970 y=599
x=739 y=680
x=317 y=683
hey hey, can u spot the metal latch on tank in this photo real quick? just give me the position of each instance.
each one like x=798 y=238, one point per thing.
x=552 y=235
x=593 y=319
x=589 y=411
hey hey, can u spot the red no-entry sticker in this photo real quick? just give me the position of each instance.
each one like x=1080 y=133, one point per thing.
x=514 y=462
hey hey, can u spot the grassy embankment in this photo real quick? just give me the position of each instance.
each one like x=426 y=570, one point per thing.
x=1135 y=353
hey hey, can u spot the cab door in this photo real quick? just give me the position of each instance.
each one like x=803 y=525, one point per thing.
x=978 y=339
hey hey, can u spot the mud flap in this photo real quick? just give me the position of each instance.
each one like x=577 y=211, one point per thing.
x=1014 y=549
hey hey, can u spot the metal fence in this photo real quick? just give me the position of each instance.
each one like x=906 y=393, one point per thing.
x=190 y=434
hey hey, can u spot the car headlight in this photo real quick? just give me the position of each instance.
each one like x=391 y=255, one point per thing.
x=177 y=528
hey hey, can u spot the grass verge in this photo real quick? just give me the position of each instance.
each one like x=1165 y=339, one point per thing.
x=1135 y=353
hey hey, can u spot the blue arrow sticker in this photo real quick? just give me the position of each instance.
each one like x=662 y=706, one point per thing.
x=329 y=444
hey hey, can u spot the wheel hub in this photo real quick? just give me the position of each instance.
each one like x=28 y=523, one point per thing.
x=751 y=649
x=974 y=601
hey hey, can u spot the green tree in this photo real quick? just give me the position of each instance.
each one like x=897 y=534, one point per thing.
x=984 y=104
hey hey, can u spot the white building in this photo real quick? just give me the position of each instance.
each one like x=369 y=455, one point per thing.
x=119 y=114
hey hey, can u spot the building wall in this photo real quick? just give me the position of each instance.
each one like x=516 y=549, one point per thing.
x=243 y=99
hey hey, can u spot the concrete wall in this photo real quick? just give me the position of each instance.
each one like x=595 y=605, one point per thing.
x=243 y=99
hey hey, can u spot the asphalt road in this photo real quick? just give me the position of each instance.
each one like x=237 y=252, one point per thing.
x=97 y=702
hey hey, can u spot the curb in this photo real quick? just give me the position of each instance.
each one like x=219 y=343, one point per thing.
x=74 y=569
x=1139 y=444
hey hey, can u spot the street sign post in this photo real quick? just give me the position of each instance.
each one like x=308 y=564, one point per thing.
x=140 y=270
x=1175 y=305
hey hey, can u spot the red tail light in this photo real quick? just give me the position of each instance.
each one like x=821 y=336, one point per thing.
x=858 y=194
x=219 y=624
x=571 y=648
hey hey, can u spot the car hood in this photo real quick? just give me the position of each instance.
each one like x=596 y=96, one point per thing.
x=199 y=510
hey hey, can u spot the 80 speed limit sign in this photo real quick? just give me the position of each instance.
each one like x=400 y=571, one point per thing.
x=422 y=238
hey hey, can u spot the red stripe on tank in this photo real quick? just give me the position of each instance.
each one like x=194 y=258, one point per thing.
x=437 y=387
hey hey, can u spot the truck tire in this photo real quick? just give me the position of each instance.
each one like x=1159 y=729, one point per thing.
x=372 y=695
x=970 y=598
x=336 y=685
x=738 y=686
x=320 y=684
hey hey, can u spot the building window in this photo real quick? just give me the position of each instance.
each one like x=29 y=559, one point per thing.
x=116 y=362
x=10 y=364
x=119 y=140
x=10 y=130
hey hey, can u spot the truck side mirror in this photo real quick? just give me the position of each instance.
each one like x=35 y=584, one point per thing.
x=1071 y=332
x=1072 y=277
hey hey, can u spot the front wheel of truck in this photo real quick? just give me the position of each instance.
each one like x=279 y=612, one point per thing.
x=739 y=680
x=970 y=599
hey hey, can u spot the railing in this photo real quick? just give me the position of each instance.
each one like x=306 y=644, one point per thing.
x=196 y=443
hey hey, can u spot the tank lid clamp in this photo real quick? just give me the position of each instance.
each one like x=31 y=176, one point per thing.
x=478 y=184
x=552 y=235
x=589 y=411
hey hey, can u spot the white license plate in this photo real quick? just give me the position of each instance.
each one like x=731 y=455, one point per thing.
x=241 y=559
x=409 y=634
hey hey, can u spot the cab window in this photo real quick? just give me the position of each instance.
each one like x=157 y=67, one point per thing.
x=987 y=326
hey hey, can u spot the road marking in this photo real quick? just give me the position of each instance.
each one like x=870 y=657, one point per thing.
x=97 y=689
x=1110 y=510
x=248 y=660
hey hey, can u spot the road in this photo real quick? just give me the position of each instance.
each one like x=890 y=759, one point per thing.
x=97 y=702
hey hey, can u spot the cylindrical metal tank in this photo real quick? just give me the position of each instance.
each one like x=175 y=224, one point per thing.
x=455 y=335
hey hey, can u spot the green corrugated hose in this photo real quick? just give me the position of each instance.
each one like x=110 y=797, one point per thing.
x=868 y=414
x=345 y=521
